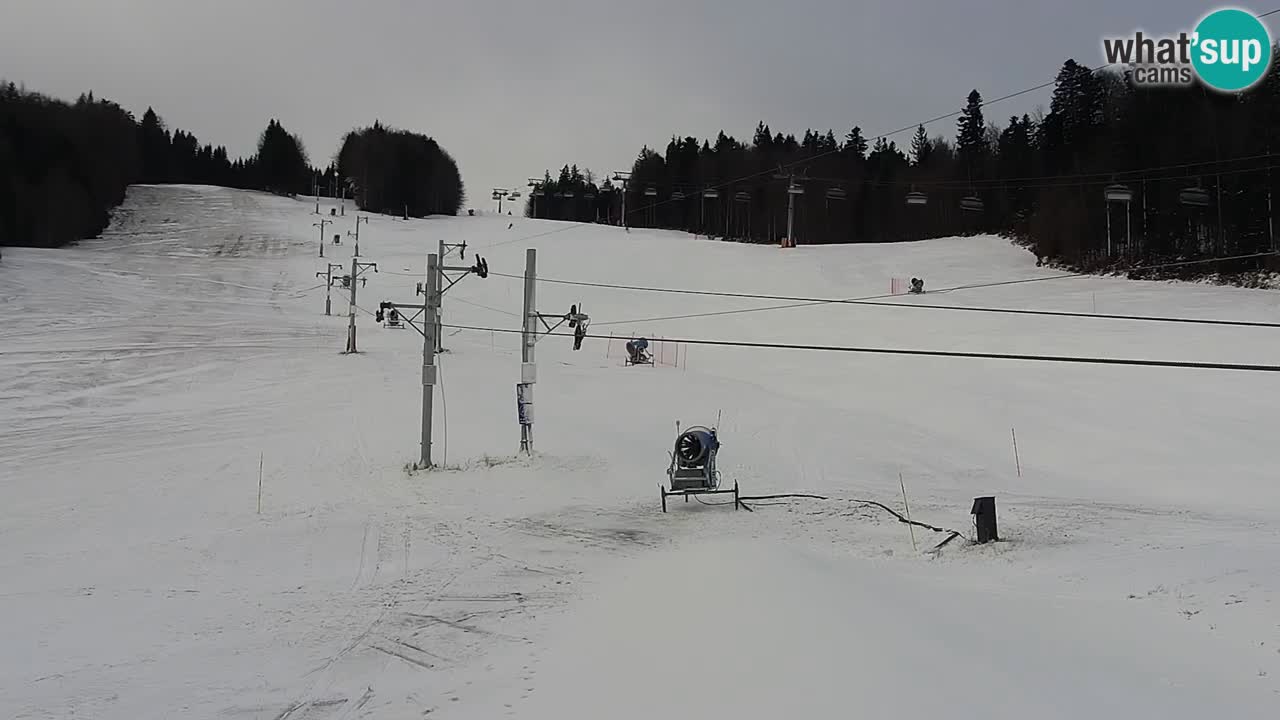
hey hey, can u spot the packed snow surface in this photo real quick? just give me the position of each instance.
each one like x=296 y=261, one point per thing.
x=152 y=377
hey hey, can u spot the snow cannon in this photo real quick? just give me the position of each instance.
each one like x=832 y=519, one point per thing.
x=696 y=448
x=693 y=465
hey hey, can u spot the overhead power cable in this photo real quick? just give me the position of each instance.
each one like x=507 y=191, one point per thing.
x=1049 y=181
x=1106 y=177
x=877 y=300
x=1070 y=359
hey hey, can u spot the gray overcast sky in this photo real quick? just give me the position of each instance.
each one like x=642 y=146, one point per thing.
x=513 y=88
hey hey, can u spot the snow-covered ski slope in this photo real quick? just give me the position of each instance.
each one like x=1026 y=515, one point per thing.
x=145 y=375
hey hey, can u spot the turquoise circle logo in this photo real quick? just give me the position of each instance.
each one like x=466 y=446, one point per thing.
x=1232 y=50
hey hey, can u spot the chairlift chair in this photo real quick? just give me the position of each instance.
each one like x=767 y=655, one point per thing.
x=1118 y=193
x=1195 y=196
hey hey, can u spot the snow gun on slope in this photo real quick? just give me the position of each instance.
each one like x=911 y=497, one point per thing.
x=693 y=465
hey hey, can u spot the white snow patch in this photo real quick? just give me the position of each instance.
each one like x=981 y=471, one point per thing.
x=761 y=629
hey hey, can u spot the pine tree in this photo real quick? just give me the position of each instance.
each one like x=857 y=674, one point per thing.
x=971 y=135
x=1015 y=148
x=763 y=139
x=282 y=161
x=1076 y=114
x=153 y=145
x=921 y=148
x=855 y=144
x=183 y=160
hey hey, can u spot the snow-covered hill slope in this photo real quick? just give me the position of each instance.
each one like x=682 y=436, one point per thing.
x=145 y=375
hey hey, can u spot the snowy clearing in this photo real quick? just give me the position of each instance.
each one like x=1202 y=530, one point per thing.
x=144 y=375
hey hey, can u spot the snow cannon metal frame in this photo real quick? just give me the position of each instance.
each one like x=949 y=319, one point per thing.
x=643 y=357
x=693 y=466
x=389 y=315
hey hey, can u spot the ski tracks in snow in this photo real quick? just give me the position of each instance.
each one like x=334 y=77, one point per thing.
x=410 y=620
x=372 y=558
